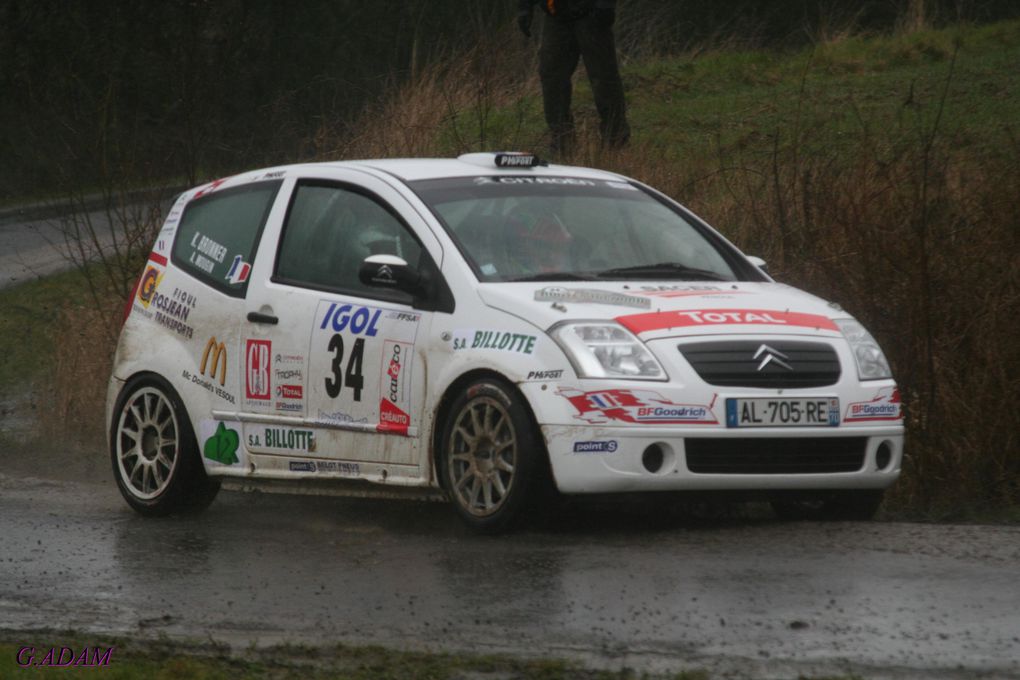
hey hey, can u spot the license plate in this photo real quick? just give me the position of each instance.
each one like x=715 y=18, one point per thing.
x=782 y=412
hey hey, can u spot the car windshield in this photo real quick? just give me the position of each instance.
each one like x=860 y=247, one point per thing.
x=543 y=228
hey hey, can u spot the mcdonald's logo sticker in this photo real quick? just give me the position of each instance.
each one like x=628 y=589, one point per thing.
x=214 y=357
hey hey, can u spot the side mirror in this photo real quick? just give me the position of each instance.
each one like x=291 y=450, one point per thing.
x=758 y=262
x=390 y=271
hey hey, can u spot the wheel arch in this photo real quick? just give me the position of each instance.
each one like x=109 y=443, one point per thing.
x=122 y=384
x=445 y=403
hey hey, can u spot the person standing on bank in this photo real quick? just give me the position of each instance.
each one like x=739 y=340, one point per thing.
x=575 y=29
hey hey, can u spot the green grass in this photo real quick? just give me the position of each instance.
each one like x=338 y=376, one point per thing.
x=740 y=100
x=30 y=326
x=163 y=660
x=695 y=109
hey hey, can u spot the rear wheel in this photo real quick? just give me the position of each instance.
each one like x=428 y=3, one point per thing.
x=491 y=456
x=154 y=453
x=860 y=506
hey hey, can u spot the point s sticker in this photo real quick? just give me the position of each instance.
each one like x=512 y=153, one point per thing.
x=221 y=443
x=885 y=406
x=596 y=446
x=634 y=406
x=258 y=364
x=704 y=318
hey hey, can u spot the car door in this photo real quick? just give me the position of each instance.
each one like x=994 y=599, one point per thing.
x=333 y=369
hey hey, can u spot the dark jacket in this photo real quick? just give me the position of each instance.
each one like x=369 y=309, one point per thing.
x=566 y=9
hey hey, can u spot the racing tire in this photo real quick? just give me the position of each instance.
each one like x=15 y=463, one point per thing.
x=154 y=452
x=492 y=457
x=859 y=507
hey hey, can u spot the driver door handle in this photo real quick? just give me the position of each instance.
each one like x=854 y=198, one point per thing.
x=259 y=317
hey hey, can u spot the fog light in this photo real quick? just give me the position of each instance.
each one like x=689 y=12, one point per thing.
x=883 y=456
x=653 y=458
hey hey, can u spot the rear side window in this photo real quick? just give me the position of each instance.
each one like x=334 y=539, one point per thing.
x=219 y=232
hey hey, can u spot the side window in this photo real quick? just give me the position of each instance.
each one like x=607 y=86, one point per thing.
x=330 y=230
x=219 y=232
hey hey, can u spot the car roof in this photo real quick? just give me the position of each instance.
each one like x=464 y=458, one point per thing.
x=467 y=165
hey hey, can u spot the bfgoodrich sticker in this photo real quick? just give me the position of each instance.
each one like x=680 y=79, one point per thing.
x=634 y=406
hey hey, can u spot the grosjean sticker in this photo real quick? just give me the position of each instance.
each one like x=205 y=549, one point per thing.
x=149 y=282
x=885 y=406
x=634 y=406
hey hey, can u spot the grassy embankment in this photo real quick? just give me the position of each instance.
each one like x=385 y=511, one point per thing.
x=132 y=660
x=881 y=173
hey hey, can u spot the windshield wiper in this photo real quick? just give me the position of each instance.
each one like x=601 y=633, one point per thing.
x=664 y=270
x=554 y=276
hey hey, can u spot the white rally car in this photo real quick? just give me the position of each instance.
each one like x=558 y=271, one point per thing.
x=477 y=327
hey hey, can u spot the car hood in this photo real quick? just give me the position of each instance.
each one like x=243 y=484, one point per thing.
x=655 y=310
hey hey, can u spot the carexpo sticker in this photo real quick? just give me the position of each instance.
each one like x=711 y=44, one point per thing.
x=634 y=406
x=885 y=406
x=655 y=321
x=596 y=447
x=258 y=365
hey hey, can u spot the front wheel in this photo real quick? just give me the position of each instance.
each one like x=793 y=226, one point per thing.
x=491 y=456
x=154 y=453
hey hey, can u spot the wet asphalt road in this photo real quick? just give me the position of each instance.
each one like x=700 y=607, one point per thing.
x=613 y=586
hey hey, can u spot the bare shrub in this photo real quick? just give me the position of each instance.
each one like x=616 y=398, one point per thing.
x=80 y=371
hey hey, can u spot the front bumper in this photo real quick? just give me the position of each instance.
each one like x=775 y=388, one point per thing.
x=625 y=459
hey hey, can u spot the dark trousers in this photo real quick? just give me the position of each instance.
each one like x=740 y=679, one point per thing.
x=563 y=43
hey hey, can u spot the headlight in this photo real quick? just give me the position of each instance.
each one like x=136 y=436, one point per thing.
x=606 y=350
x=871 y=362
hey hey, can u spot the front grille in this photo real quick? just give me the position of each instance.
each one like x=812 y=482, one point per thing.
x=760 y=456
x=738 y=363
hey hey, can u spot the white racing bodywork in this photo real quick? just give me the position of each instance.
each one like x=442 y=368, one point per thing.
x=270 y=384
